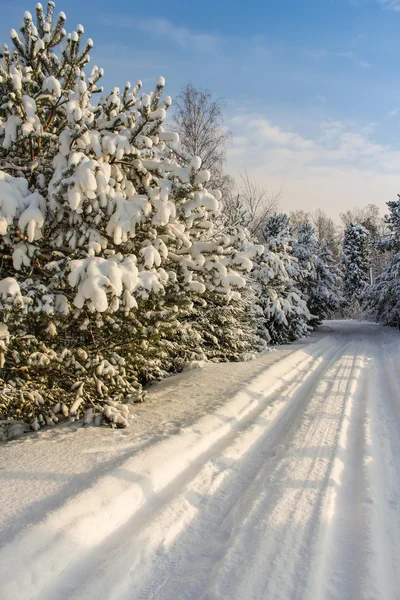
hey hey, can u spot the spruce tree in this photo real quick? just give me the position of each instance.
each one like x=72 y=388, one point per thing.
x=285 y=316
x=385 y=293
x=105 y=242
x=221 y=324
x=356 y=267
x=319 y=277
x=305 y=250
x=325 y=294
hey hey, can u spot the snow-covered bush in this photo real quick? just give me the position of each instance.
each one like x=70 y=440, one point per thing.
x=105 y=241
x=285 y=316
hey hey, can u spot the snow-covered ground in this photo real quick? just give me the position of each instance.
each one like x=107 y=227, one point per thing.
x=273 y=479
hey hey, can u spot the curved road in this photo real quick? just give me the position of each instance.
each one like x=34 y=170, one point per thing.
x=288 y=491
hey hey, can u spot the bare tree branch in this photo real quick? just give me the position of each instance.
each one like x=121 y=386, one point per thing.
x=299 y=217
x=254 y=203
x=198 y=121
x=327 y=232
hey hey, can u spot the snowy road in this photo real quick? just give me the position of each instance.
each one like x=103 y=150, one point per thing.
x=288 y=489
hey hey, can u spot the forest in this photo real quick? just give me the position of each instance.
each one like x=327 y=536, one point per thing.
x=128 y=254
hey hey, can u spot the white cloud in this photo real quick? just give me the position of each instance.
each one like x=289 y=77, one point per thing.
x=359 y=37
x=353 y=57
x=340 y=167
x=179 y=35
x=162 y=28
x=345 y=54
x=390 y=4
x=275 y=136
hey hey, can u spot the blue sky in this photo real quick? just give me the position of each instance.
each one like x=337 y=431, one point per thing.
x=312 y=87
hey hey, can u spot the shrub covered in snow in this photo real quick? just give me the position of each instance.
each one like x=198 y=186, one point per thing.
x=106 y=242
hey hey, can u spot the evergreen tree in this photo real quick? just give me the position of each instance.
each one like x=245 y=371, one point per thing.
x=356 y=266
x=319 y=279
x=221 y=324
x=105 y=242
x=325 y=297
x=305 y=249
x=285 y=316
x=376 y=226
x=385 y=293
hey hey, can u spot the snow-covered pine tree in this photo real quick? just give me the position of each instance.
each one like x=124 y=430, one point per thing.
x=356 y=267
x=369 y=217
x=221 y=329
x=104 y=241
x=222 y=326
x=227 y=325
x=319 y=277
x=325 y=293
x=284 y=310
x=305 y=249
x=385 y=293
x=218 y=326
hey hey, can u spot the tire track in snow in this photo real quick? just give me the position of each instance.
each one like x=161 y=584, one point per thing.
x=64 y=549
x=341 y=568
x=384 y=469
x=290 y=490
x=282 y=550
x=197 y=528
